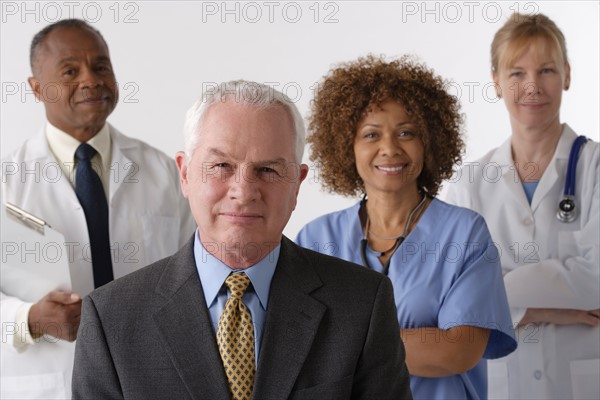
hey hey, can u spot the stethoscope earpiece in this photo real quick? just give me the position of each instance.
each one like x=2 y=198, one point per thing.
x=567 y=210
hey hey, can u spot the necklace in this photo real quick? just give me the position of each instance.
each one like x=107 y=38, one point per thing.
x=397 y=239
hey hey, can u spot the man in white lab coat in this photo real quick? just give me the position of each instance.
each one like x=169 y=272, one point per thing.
x=148 y=219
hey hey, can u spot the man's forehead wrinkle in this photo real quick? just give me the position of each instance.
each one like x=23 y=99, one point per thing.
x=220 y=153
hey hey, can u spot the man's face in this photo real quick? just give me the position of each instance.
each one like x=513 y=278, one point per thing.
x=74 y=78
x=242 y=181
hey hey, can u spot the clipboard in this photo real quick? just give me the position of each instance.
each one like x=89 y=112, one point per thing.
x=34 y=256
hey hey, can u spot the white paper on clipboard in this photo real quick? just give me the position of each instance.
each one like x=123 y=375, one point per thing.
x=34 y=257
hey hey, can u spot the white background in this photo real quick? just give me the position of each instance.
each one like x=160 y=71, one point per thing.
x=165 y=53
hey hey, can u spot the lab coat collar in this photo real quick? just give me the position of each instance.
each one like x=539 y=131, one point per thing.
x=503 y=154
x=501 y=162
x=502 y=157
x=563 y=148
x=122 y=168
x=37 y=147
x=553 y=174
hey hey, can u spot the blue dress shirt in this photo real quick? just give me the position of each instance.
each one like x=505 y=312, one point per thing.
x=213 y=274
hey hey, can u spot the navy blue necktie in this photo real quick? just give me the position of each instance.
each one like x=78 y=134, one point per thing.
x=89 y=191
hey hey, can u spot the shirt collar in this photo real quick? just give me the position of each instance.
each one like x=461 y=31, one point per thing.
x=63 y=145
x=213 y=273
x=563 y=148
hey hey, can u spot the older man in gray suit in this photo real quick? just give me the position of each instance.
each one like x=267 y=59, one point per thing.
x=240 y=311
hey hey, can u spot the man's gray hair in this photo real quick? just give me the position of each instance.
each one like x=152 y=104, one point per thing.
x=244 y=92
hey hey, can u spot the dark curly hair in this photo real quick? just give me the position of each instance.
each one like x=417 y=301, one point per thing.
x=350 y=91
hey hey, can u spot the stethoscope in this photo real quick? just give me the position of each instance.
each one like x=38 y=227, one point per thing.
x=567 y=211
x=399 y=240
x=363 y=254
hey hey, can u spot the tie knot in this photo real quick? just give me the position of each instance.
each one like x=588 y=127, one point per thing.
x=84 y=152
x=237 y=284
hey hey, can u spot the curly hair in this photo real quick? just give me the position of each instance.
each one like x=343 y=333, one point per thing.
x=352 y=89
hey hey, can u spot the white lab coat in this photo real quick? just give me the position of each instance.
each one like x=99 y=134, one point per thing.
x=547 y=264
x=149 y=220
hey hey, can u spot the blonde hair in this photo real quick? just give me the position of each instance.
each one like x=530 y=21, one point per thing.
x=518 y=33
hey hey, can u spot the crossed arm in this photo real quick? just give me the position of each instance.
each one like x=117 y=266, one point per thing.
x=560 y=316
x=435 y=353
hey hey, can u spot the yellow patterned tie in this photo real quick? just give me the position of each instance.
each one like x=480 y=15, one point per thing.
x=235 y=336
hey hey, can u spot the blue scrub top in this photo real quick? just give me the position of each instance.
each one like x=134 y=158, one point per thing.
x=446 y=273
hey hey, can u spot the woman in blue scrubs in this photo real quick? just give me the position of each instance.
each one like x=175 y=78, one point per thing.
x=390 y=133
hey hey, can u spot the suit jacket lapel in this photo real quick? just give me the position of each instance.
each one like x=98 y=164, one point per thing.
x=184 y=326
x=293 y=318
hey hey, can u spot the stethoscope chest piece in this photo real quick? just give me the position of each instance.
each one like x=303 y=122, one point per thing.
x=567 y=211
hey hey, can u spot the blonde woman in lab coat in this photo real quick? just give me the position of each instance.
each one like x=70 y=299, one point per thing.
x=551 y=268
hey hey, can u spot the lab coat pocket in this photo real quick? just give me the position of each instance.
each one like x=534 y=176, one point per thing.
x=38 y=386
x=584 y=379
x=161 y=235
x=497 y=380
x=567 y=244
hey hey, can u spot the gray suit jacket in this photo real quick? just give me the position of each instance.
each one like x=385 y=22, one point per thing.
x=331 y=333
